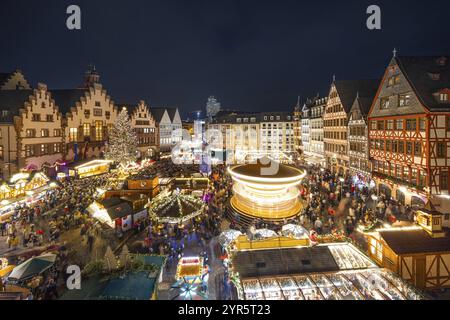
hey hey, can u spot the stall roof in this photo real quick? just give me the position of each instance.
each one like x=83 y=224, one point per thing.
x=285 y=261
x=414 y=241
x=275 y=262
x=121 y=210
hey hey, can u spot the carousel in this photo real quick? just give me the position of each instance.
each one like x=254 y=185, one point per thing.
x=175 y=207
x=259 y=193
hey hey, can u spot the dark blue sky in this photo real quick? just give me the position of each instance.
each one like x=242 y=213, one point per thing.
x=253 y=55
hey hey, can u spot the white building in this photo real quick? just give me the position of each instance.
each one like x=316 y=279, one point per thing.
x=168 y=121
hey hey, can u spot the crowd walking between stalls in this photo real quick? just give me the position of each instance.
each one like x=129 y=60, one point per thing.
x=336 y=203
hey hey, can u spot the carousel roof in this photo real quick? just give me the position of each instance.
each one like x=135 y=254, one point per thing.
x=257 y=169
x=176 y=207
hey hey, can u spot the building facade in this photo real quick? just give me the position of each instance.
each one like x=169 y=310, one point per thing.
x=250 y=136
x=409 y=131
x=316 y=145
x=144 y=125
x=358 y=150
x=306 y=113
x=14 y=81
x=298 y=127
x=169 y=126
x=335 y=121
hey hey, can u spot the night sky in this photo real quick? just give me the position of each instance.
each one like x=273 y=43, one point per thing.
x=252 y=55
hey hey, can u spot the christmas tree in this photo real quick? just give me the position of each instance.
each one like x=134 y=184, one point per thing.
x=122 y=145
x=110 y=260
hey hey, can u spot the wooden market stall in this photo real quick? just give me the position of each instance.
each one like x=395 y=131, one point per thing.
x=419 y=254
x=91 y=168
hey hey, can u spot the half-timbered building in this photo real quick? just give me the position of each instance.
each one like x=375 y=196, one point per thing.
x=341 y=96
x=409 y=131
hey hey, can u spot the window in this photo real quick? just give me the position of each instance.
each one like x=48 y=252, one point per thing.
x=56 y=148
x=409 y=148
x=443 y=97
x=384 y=103
x=5 y=113
x=29 y=150
x=49 y=118
x=73 y=134
x=97 y=112
x=36 y=117
x=57 y=132
x=399 y=124
x=404 y=100
x=107 y=114
x=394 y=80
x=401 y=147
x=98 y=130
x=44 y=133
x=380 y=125
x=422 y=178
x=30 y=133
x=373 y=125
x=43 y=105
x=406 y=173
x=444 y=180
x=44 y=149
x=411 y=124
x=1 y=152
x=97 y=103
x=417 y=149
x=441 y=149
x=238 y=120
x=86 y=129
x=390 y=124
x=422 y=124
x=448 y=123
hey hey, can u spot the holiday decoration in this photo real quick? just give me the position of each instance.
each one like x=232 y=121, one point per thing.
x=122 y=146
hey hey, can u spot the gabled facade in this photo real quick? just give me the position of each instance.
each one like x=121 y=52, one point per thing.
x=306 y=113
x=340 y=100
x=31 y=134
x=358 y=138
x=145 y=128
x=89 y=114
x=14 y=81
x=169 y=124
x=409 y=130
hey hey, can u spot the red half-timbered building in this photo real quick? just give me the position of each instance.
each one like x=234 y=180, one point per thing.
x=409 y=131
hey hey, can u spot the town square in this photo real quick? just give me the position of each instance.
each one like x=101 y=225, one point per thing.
x=120 y=181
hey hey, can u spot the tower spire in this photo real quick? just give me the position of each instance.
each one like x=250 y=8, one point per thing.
x=394 y=53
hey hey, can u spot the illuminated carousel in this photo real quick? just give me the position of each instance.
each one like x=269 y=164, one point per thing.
x=258 y=194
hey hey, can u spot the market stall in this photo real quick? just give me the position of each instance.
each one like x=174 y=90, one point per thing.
x=90 y=168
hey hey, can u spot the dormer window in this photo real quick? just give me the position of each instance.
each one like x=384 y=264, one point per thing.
x=441 y=61
x=443 y=97
x=5 y=113
x=434 y=76
x=238 y=120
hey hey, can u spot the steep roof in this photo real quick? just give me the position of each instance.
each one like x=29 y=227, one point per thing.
x=417 y=71
x=67 y=98
x=172 y=112
x=157 y=113
x=414 y=241
x=348 y=89
x=12 y=101
x=4 y=77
